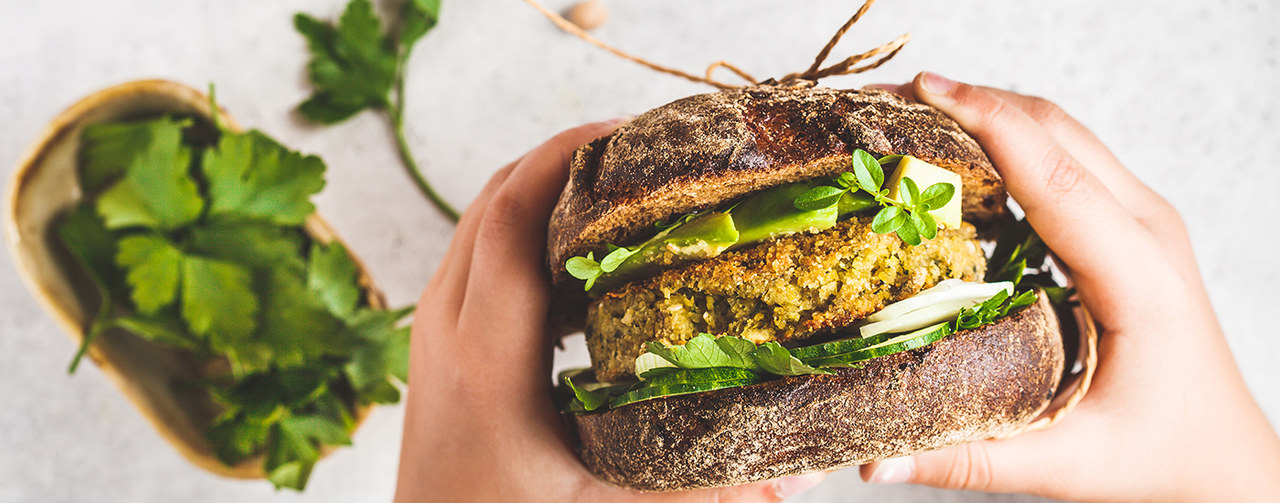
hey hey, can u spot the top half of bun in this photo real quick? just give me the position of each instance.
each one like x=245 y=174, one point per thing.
x=703 y=150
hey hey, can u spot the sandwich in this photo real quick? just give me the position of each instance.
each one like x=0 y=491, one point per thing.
x=775 y=280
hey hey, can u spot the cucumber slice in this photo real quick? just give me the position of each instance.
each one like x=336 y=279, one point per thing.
x=839 y=347
x=895 y=344
x=683 y=382
x=945 y=291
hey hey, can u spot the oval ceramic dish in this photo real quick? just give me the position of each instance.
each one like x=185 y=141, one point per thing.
x=44 y=186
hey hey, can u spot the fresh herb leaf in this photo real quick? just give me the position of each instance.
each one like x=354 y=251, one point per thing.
x=890 y=161
x=867 y=171
x=259 y=245
x=775 y=359
x=353 y=65
x=153 y=266
x=107 y=149
x=817 y=198
x=584 y=268
x=937 y=196
x=253 y=177
x=155 y=191
x=589 y=400
x=332 y=275
x=94 y=248
x=615 y=258
x=218 y=300
x=888 y=219
x=356 y=66
x=908 y=232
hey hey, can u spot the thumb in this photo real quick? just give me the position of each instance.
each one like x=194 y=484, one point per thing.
x=973 y=466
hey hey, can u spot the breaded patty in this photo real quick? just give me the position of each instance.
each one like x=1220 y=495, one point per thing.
x=786 y=289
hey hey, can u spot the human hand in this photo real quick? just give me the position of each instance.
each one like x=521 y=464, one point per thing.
x=1168 y=417
x=479 y=421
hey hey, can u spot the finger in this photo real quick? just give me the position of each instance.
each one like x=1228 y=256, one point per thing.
x=1067 y=205
x=448 y=286
x=506 y=285
x=903 y=90
x=977 y=466
x=1134 y=195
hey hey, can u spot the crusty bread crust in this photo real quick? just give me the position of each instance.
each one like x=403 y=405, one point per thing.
x=702 y=150
x=973 y=385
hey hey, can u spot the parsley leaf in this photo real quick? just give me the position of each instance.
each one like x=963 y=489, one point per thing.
x=332 y=275
x=153 y=264
x=356 y=66
x=94 y=248
x=253 y=177
x=155 y=191
x=218 y=301
x=107 y=149
x=353 y=65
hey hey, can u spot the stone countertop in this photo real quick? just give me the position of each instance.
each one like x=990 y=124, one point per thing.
x=1179 y=90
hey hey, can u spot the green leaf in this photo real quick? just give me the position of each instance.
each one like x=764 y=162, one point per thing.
x=258 y=245
x=297 y=327
x=867 y=171
x=583 y=267
x=908 y=232
x=890 y=161
x=847 y=180
x=353 y=65
x=156 y=190
x=739 y=351
x=107 y=149
x=332 y=275
x=165 y=327
x=417 y=17
x=382 y=351
x=775 y=359
x=928 y=226
x=252 y=177
x=153 y=266
x=937 y=195
x=295 y=448
x=888 y=219
x=589 y=400
x=217 y=300
x=94 y=249
x=817 y=198
x=908 y=192
x=615 y=258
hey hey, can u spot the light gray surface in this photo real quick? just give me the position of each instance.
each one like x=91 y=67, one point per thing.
x=1184 y=92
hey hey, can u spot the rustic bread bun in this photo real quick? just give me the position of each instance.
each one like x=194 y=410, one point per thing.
x=973 y=385
x=703 y=150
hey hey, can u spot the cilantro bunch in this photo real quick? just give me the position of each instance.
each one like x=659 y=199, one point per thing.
x=193 y=238
x=910 y=218
x=355 y=66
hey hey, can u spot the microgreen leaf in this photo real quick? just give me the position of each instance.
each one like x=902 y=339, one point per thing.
x=615 y=258
x=890 y=161
x=867 y=171
x=928 y=226
x=847 y=180
x=908 y=231
x=888 y=219
x=822 y=196
x=909 y=192
x=937 y=195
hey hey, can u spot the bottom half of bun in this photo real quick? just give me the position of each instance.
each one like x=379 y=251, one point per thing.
x=975 y=384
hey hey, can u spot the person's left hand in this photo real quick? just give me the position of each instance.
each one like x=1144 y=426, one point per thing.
x=480 y=424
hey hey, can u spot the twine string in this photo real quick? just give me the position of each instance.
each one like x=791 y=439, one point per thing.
x=812 y=74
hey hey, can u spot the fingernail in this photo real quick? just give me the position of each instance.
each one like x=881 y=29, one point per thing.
x=936 y=84
x=893 y=471
x=618 y=121
x=791 y=486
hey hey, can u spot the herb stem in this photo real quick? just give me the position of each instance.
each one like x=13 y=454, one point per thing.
x=396 y=113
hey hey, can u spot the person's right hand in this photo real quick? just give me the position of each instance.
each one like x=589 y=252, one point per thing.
x=1168 y=417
